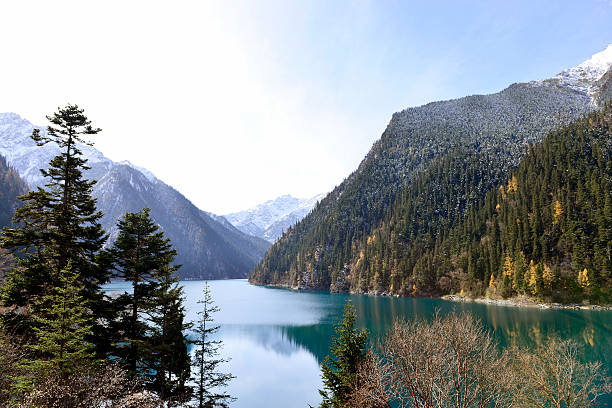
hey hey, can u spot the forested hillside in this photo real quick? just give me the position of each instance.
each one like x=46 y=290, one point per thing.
x=11 y=186
x=546 y=231
x=377 y=231
x=495 y=127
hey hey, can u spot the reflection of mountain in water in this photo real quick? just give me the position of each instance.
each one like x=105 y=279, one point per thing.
x=276 y=337
x=592 y=330
x=283 y=340
x=314 y=338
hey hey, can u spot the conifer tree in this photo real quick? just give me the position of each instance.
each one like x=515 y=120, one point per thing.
x=340 y=367
x=139 y=253
x=167 y=349
x=57 y=224
x=63 y=325
x=209 y=381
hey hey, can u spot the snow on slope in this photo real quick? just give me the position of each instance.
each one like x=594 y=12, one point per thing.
x=584 y=77
x=26 y=157
x=207 y=248
x=147 y=173
x=270 y=219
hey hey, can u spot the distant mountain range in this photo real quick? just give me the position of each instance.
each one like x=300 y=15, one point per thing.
x=270 y=219
x=382 y=229
x=208 y=247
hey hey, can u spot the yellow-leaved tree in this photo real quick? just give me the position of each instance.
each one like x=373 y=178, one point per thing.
x=547 y=276
x=492 y=284
x=583 y=278
x=512 y=184
x=557 y=212
x=532 y=277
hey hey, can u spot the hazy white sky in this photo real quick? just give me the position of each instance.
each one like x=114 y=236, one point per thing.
x=237 y=102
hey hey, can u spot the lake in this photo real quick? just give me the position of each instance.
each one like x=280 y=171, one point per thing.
x=276 y=338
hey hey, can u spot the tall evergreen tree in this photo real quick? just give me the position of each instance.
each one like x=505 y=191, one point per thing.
x=340 y=367
x=152 y=341
x=139 y=253
x=63 y=326
x=168 y=357
x=57 y=225
x=209 y=381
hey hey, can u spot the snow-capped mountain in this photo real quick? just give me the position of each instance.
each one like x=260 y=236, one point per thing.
x=586 y=77
x=270 y=219
x=411 y=182
x=206 y=248
x=27 y=158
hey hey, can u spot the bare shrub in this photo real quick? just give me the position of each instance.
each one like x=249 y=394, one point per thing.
x=372 y=379
x=98 y=387
x=450 y=362
x=554 y=376
x=10 y=356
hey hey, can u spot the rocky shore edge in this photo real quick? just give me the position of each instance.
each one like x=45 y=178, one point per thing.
x=518 y=301
x=524 y=301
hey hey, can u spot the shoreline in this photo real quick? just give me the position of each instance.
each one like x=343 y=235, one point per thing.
x=519 y=301
x=524 y=301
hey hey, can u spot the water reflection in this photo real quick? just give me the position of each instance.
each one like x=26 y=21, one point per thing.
x=277 y=338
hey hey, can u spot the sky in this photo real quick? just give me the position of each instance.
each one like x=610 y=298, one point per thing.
x=237 y=102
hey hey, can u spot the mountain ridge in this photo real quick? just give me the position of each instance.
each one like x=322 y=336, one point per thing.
x=206 y=249
x=484 y=137
x=270 y=219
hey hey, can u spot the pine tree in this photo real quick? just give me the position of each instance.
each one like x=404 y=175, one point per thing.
x=167 y=341
x=340 y=367
x=63 y=325
x=152 y=341
x=209 y=381
x=139 y=253
x=57 y=225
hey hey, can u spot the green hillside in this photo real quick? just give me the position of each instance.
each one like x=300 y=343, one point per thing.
x=547 y=231
x=11 y=186
x=379 y=230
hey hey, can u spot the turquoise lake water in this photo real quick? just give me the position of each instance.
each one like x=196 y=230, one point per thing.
x=276 y=338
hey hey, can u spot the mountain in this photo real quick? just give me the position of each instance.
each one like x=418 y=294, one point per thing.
x=432 y=164
x=270 y=219
x=11 y=187
x=206 y=248
x=546 y=231
x=588 y=77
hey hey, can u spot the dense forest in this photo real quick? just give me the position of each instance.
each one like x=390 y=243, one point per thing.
x=397 y=225
x=11 y=187
x=546 y=231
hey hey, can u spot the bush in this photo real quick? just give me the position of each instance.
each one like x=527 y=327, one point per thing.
x=454 y=362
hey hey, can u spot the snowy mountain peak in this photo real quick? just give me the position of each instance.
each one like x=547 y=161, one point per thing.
x=147 y=173
x=583 y=77
x=270 y=219
x=26 y=157
x=6 y=117
x=599 y=62
x=207 y=248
